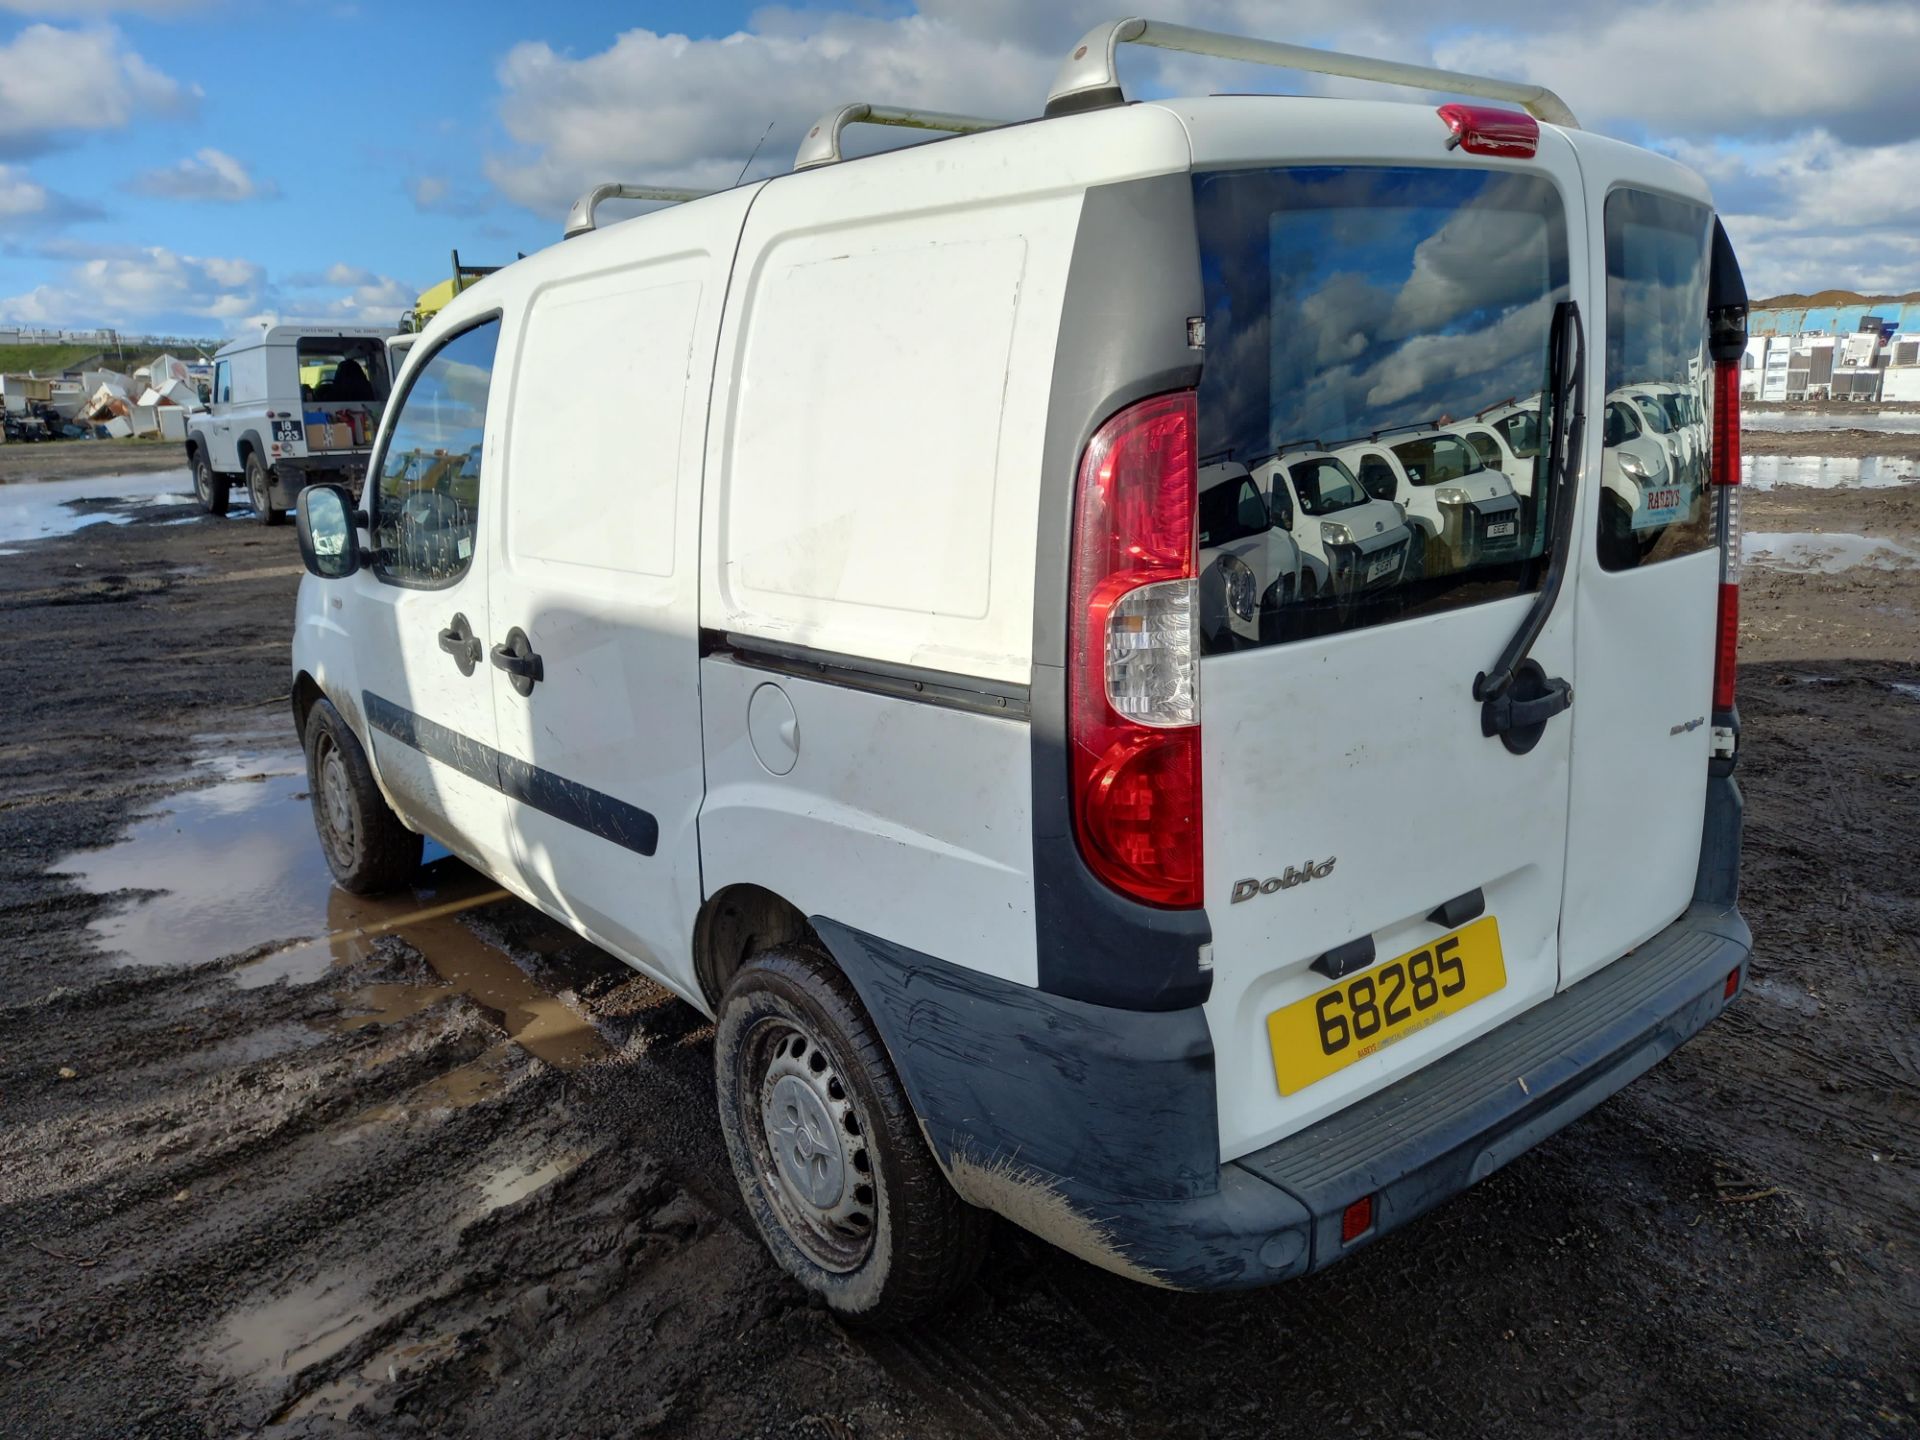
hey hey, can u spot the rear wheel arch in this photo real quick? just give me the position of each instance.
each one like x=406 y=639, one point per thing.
x=738 y=922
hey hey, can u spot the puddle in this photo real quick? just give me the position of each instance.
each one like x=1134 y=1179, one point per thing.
x=1827 y=472
x=235 y=865
x=309 y=1324
x=38 y=510
x=1893 y=422
x=1814 y=551
x=513 y=1183
x=1908 y=688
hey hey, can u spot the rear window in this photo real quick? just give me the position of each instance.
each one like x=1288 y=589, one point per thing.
x=1654 y=504
x=343 y=369
x=1344 y=302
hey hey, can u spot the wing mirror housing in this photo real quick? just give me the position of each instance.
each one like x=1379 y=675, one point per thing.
x=329 y=540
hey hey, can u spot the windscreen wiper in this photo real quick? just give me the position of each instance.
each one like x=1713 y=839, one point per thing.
x=1517 y=698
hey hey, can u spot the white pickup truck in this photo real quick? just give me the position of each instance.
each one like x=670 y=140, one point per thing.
x=294 y=405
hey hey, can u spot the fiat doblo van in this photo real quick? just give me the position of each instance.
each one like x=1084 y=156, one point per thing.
x=794 y=592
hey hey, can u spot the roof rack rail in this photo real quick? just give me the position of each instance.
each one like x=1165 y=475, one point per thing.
x=821 y=146
x=1089 y=79
x=580 y=218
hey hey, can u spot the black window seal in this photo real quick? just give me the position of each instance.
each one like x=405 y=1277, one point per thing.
x=396 y=405
x=945 y=688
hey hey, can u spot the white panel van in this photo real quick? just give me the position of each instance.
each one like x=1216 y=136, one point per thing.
x=801 y=593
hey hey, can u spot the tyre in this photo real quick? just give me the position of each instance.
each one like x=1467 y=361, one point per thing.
x=208 y=488
x=824 y=1143
x=367 y=848
x=260 y=491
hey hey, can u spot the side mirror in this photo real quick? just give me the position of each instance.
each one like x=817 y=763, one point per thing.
x=323 y=521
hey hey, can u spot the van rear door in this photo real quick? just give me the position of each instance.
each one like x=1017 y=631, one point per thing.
x=1649 y=576
x=1383 y=877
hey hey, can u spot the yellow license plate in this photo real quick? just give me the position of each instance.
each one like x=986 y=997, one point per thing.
x=1383 y=1004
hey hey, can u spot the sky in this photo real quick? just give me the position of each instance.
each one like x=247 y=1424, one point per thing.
x=194 y=167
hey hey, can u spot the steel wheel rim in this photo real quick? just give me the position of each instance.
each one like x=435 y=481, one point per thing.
x=257 y=488
x=203 y=481
x=810 y=1146
x=335 y=811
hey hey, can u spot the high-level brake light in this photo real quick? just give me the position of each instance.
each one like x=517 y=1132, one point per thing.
x=1133 y=699
x=1491 y=130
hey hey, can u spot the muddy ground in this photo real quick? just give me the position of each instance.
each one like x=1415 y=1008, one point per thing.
x=74 y=459
x=446 y=1169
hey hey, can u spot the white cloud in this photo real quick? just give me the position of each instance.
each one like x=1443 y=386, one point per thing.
x=208 y=174
x=120 y=286
x=55 y=82
x=21 y=197
x=676 y=111
x=155 y=287
x=1722 y=67
x=25 y=203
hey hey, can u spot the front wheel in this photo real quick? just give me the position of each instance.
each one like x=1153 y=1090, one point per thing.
x=260 y=491
x=208 y=488
x=367 y=848
x=823 y=1140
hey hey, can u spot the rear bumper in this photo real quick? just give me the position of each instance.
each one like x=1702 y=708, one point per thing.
x=1089 y=1126
x=293 y=473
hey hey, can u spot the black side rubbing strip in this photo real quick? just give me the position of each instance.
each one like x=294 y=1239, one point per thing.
x=879 y=677
x=594 y=811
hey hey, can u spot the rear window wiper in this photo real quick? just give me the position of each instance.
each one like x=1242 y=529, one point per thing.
x=1517 y=698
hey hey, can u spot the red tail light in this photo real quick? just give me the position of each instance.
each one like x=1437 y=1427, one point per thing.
x=1725 y=473
x=1490 y=130
x=1133 y=704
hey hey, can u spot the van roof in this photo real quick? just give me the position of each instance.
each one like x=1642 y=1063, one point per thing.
x=289 y=334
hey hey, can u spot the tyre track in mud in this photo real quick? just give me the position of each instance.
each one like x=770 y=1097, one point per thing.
x=239 y=1216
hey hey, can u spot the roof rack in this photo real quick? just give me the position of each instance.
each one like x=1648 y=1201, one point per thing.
x=822 y=143
x=1089 y=79
x=580 y=218
x=1408 y=425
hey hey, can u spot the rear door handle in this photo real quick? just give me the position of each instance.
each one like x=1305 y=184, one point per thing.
x=516 y=657
x=1519 y=713
x=459 y=641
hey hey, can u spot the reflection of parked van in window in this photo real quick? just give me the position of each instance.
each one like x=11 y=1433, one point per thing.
x=1348 y=541
x=850 y=681
x=1250 y=567
x=1464 y=510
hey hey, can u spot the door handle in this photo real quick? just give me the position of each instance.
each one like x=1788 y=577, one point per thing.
x=516 y=657
x=1519 y=713
x=459 y=641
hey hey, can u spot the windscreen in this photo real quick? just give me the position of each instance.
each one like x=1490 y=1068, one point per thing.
x=1352 y=310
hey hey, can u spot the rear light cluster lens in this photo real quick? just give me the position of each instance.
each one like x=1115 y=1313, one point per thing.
x=1133 y=689
x=1725 y=474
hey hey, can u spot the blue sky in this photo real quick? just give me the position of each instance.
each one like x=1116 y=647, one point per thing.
x=189 y=166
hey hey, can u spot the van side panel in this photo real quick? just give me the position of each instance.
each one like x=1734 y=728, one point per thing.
x=881 y=398
x=878 y=434
x=906 y=814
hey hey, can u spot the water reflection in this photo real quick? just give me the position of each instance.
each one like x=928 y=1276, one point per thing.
x=1828 y=554
x=1376 y=350
x=1826 y=472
